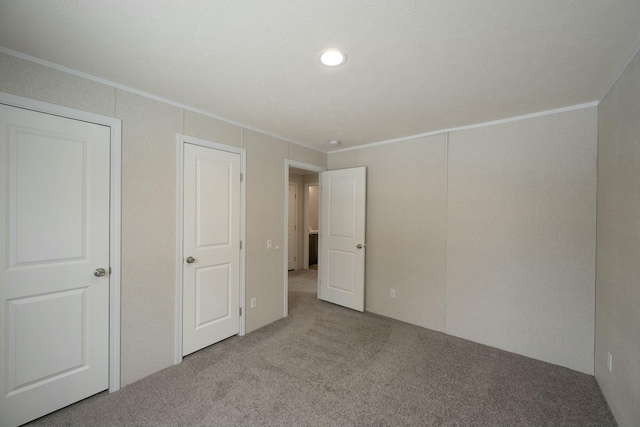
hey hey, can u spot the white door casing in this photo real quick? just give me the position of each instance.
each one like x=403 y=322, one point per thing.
x=55 y=216
x=292 y=250
x=211 y=246
x=342 y=237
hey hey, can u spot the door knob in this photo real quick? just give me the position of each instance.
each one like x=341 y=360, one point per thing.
x=99 y=272
x=190 y=260
x=359 y=246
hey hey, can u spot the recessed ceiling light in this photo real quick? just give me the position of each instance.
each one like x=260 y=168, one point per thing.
x=334 y=142
x=333 y=57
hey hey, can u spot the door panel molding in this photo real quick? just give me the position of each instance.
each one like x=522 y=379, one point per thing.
x=114 y=126
x=180 y=141
x=287 y=165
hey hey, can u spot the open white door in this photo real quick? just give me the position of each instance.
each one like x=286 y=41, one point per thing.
x=342 y=239
x=211 y=274
x=54 y=262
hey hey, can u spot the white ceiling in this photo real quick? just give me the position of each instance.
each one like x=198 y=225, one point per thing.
x=414 y=66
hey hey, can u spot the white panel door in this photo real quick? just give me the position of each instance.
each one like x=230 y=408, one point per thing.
x=342 y=239
x=211 y=273
x=292 y=228
x=54 y=222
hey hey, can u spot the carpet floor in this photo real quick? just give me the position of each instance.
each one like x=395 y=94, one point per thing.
x=325 y=365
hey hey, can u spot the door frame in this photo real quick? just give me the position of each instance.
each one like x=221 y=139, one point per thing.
x=180 y=141
x=115 y=171
x=287 y=165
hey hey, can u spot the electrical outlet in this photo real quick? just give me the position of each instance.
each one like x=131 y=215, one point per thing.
x=392 y=293
x=254 y=302
x=269 y=244
x=609 y=362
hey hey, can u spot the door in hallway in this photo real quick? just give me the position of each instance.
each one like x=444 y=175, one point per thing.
x=292 y=227
x=342 y=237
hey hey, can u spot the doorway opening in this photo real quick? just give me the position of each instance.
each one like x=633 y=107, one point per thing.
x=302 y=213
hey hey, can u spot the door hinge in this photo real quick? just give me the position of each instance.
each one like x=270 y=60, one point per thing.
x=240 y=311
x=241 y=177
x=240 y=244
x=109 y=270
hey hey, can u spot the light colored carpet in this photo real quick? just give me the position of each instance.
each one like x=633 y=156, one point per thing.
x=302 y=281
x=327 y=365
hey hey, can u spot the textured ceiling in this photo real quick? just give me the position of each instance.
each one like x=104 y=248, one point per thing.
x=413 y=66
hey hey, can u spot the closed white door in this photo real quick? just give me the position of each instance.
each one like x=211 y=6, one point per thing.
x=54 y=229
x=292 y=228
x=342 y=237
x=211 y=247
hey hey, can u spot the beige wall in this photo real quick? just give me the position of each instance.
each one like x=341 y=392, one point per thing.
x=149 y=131
x=148 y=233
x=521 y=237
x=618 y=262
x=265 y=221
x=513 y=208
x=406 y=189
